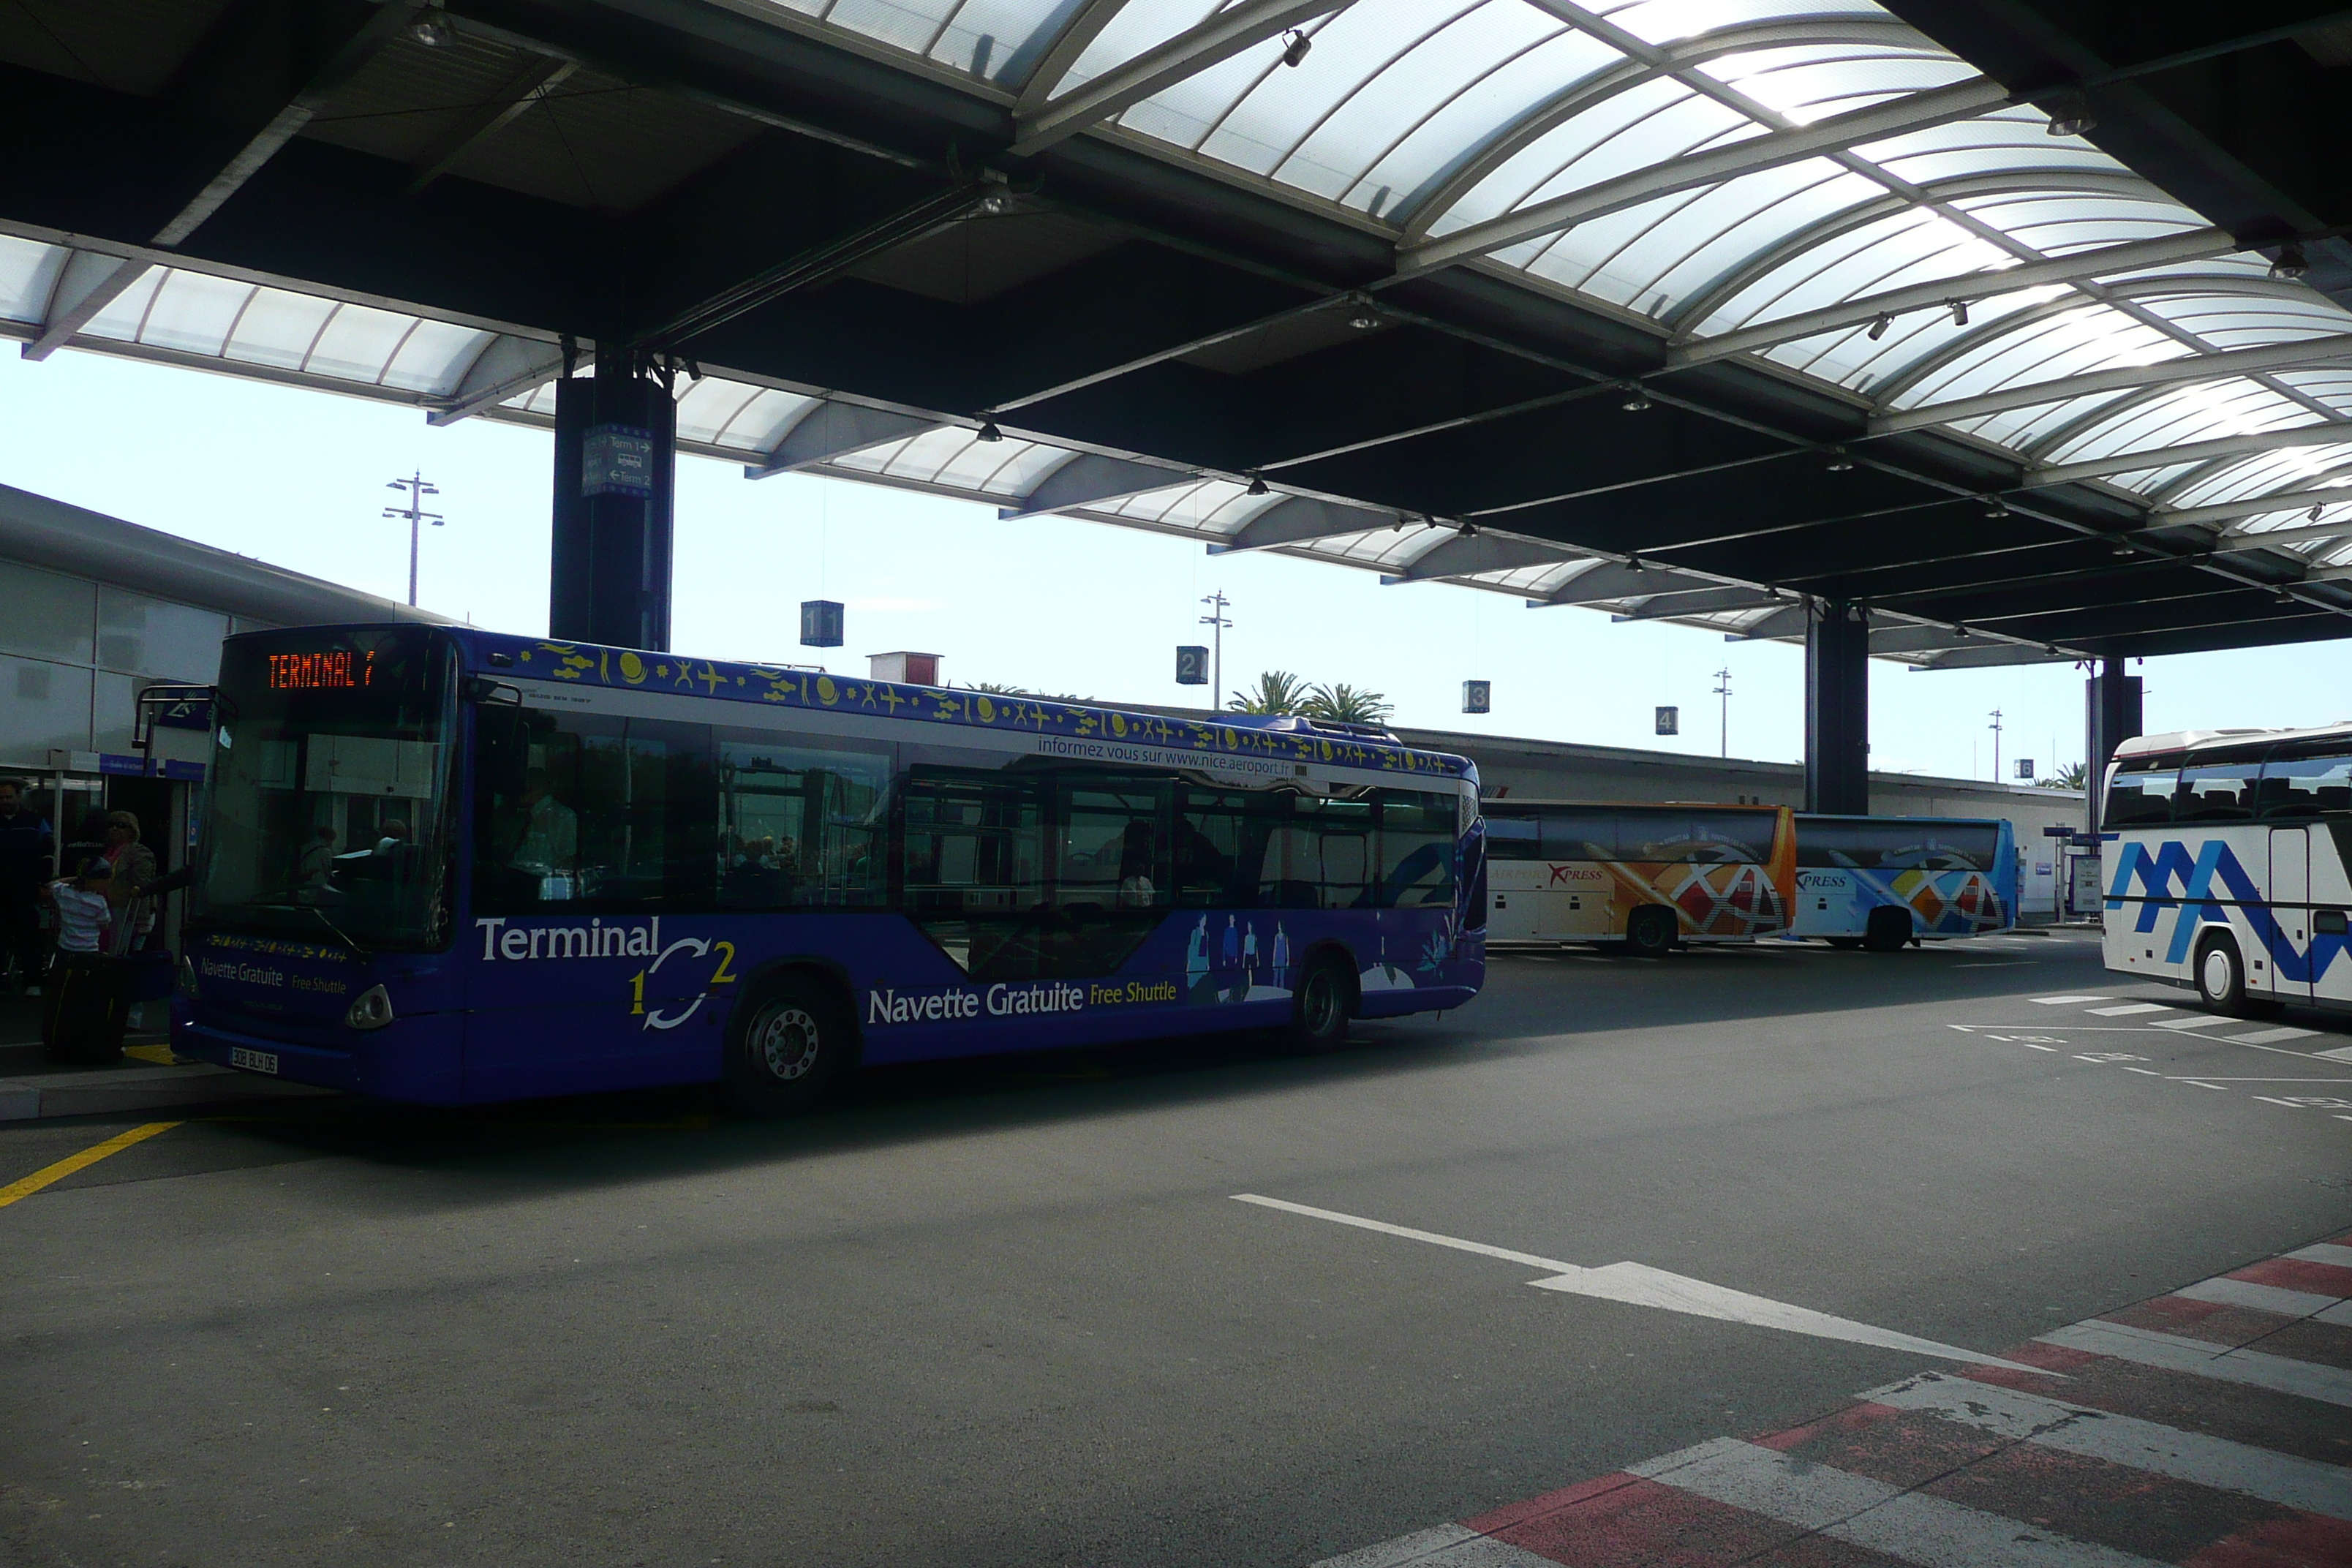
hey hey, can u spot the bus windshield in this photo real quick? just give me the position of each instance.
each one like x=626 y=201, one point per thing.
x=330 y=788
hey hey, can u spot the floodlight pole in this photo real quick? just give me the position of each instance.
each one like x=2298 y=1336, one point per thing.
x=417 y=490
x=1995 y=727
x=1723 y=691
x=1216 y=619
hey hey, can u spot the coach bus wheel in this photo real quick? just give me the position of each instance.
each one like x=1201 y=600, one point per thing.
x=1887 y=931
x=1319 y=1017
x=1650 y=931
x=2222 y=976
x=788 y=1040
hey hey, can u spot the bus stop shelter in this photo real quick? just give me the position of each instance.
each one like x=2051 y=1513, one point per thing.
x=1936 y=332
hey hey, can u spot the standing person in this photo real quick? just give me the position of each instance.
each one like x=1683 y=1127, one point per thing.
x=132 y=866
x=87 y=998
x=27 y=848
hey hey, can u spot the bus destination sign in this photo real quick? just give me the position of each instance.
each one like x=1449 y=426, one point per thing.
x=333 y=669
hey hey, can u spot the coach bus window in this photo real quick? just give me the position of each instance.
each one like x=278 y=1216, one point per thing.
x=1417 y=836
x=1512 y=838
x=1731 y=836
x=582 y=810
x=1580 y=834
x=798 y=826
x=2218 y=788
x=1320 y=857
x=974 y=868
x=2140 y=797
x=1894 y=845
x=1109 y=849
x=2305 y=780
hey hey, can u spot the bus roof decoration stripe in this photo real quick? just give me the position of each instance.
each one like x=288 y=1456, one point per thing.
x=771 y=686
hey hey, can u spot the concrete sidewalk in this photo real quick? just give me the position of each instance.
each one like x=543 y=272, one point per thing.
x=148 y=1077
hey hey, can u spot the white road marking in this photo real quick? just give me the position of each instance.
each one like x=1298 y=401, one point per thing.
x=1444 y=1546
x=2273 y=1100
x=2308 y=1484
x=2324 y=1252
x=2340 y=1054
x=2129 y=1009
x=2193 y=1021
x=1871 y=1514
x=2061 y=1001
x=2269 y=1036
x=2201 y=1083
x=2172 y=1353
x=2032 y=1046
x=2276 y=1298
x=1639 y=1285
x=2145 y=1072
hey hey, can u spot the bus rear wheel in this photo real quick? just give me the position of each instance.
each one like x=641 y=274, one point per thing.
x=788 y=1040
x=1888 y=930
x=1650 y=931
x=1320 y=1008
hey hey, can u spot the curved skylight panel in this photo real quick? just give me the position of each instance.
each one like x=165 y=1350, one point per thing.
x=1850 y=358
x=908 y=25
x=2174 y=416
x=2093 y=338
x=433 y=357
x=2330 y=386
x=2237 y=321
x=1921 y=247
x=1424 y=154
x=2264 y=473
x=193 y=311
x=1020 y=471
x=277 y=328
x=890 y=458
x=2011 y=139
x=966 y=462
x=359 y=342
x=1664 y=21
x=706 y=408
x=1630 y=130
x=1762 y=231
x=1781 y=272
x=1212 y=508
x=2057 y=222
x=1423 y=59
x=1137 y=27
x=1388 y=548
x=1188 y=112
x=28 y=274
x=1804 y=83
x=1624 y=257
x=1002 y=40
x=2019 y=429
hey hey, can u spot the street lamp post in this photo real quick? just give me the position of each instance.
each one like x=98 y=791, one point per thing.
x=413 y=512
x=1215 y=620
x=1723 y=691
x=1995 y=728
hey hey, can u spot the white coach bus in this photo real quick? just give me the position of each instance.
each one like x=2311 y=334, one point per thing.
x=2229 y=856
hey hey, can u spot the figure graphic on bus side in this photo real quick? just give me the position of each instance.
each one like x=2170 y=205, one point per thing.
x=1281 y=957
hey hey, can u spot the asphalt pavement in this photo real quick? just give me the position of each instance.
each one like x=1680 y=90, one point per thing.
x=1012 y=1312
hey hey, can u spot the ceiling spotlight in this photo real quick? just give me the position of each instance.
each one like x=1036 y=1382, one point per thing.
x=2291 y=263
x=1256 y=486
x=1363 y=320
x=1295 y=43
x=1959 y=630
x=2121 y=547
x=1995 y=506
x=1838 y=462
x=1878 y=328
x=2285 y=594
x=988 y=431
x=432 y=29
x=1959 y=312
x=991 y=203
x=2071 y=116
x=1636 y=401
x=1633 y=563
x=1467 y=530
x=2316 y=507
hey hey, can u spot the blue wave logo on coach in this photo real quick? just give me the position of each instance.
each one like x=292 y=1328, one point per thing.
x=2172 y=865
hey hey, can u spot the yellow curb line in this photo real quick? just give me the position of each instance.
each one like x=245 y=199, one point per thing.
x=72 y=1162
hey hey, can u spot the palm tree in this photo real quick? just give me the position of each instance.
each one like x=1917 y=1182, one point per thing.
x=1346 y=704
x=1277 y=691
x=2074 y=775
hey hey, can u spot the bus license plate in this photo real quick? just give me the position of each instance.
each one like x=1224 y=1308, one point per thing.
x=253 y=1061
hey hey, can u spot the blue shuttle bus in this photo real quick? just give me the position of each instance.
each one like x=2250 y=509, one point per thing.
x=446 y=866
x=1883 y=882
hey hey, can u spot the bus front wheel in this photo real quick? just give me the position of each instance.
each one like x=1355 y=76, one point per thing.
x=1319 y=1010
x=1650 y=931
x=789 y=1039
x=2221 y=977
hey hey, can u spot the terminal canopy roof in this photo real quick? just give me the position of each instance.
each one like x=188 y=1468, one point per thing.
x=1695 y=310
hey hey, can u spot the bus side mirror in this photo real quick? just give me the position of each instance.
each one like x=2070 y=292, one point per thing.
x=481 y=688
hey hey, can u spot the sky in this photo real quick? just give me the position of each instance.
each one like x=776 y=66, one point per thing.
x=1054 y=605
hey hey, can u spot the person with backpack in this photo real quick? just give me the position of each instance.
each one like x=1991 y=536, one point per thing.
x=87 y=1000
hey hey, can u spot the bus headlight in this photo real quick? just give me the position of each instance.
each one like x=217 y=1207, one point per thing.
x=185 y=981
x=372 y=1010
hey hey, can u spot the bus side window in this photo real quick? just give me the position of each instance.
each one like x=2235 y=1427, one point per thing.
x=575 y=810
x=1416 y=840
x=2302 y=781
x=1512 y=838
x=2140 y=798
x=798 y=825
x=2217 y=789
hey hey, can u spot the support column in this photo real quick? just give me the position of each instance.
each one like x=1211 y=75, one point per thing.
x=2111 y=715
x=615 y=462
x=1837 y=707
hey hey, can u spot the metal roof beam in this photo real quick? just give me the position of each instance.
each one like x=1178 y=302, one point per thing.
x=2232 y=542
x=1468 y=554
x=2125 y=378
x=2327 y=435
x=2253 y=506
x=1301 y=520
x=1702 y=602
x=538 y=76
x=1187 y=54
x=1993 y=653
x=1090 y=479
x=2197 y=245
x=507 y=367
x=1790 y=621
x=1917 y=111
x=832 y=430
x=1084 y=28
x=87 y=284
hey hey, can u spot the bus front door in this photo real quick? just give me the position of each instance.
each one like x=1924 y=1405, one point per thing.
x=2290 y=910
